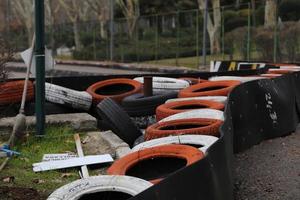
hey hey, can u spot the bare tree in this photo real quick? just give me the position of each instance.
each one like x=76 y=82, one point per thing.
x=52 y=10
x=76 y=11
x=213 y=25
x=131 y=11
x=270 y=13
x=23 y=10
x=102 y=10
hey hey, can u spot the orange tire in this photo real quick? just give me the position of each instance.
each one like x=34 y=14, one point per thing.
x=210 y=88
x=117 y=89
x=11 y=92
x=280 y=71
x=193 y=81
x=270 y=75
x=173 y=108
x=195 y=126
x=125 y=164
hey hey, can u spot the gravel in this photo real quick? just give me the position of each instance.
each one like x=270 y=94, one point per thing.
x=270 y=170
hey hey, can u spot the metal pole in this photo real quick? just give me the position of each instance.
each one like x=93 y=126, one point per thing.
x=197 y=38
x=204 y=32
x=249 y=33
x=177 y=37
x=276 y=37
x=40 y=68
x=223 y=33
x=111 y=45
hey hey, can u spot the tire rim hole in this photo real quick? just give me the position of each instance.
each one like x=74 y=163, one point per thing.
x=182 y=126
x=155 y=168
x=190 y=107
x=210 y=88
x=114 y=89
x=106 y=195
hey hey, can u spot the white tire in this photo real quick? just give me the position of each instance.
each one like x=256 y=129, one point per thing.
x=221 y=99
x=197 y=113
x=164 y=83
x=235 y=78
x=71 y=98
x=204 y=140
x=76 y=189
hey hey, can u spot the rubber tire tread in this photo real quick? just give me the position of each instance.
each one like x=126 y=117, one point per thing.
x=119 y=121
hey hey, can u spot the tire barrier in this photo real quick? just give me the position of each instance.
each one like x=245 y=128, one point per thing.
x=118 y=120
x=166 y=84
x=270 y=75
x=281 y=71
x=198 y=113
x=11 y=92
x=133 y=163
x=172 y=108
x=196 y=126
x=67 y=97
x=100 y=186
x=221 y=99
x=137 y=105
x=50 y=109
x=205 y=141
x=193 y=81
x=235 y=78
x=211 y=88
x=117 y=89
x=144 y=121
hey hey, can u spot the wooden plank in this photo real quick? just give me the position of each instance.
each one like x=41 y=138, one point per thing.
x=73 y=162
x=84 y=169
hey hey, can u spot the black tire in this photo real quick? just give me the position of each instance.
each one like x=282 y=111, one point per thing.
x=138 y=105
x=118 y=120
x=139 y=140
x=141 y=100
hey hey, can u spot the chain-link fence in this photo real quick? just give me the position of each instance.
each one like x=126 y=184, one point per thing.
x=171 y=39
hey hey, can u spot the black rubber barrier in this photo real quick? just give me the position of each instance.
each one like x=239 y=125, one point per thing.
x=255 y=111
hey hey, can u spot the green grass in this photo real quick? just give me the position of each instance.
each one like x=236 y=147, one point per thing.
x=57 y=140
x=191 y=62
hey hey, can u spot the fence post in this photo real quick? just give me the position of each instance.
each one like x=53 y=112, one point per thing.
x=249 y=32
x=276 y=37
x=137 y=40
x=156 y=39
x=177 y=37
x=223 y=33
x=197 y=38
x=94 y=43
x=111 y=44
x=204 y=32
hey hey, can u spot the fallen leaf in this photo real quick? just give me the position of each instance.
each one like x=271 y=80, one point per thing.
x=66 y=175
x=9 y=179
x=38 y=181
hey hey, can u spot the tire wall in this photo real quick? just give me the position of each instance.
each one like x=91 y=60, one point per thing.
x=276 y=103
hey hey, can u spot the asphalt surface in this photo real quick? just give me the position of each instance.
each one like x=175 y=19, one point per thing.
x=270 y=170
x=74 y=68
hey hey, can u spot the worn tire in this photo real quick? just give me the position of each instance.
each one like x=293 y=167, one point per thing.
x=50 y=109
x=194 y=114
x=242 y=79
x=211 y=88
x=190 y=154
x=94 y=184
x=196 y=126
x=282 y=71
x=173 y=108
x=11 y=92
x=114 y=88
x=205 y=141
x=193 y=81
x=119 y=121
x=221 y=99
x=68 y=97
x=138 y=105
x=166 y=84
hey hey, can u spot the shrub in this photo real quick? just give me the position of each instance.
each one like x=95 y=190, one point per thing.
x=289 y=10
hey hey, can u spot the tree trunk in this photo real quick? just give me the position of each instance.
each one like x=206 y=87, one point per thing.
x=214 y=39
x=270 y=13
x=29 y=34
x=78 y=44
x=103 y=31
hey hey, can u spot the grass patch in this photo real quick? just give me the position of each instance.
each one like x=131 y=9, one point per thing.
x=56 y=140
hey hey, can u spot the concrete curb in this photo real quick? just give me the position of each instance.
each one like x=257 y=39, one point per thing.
x=77 y=121
x=119 y=146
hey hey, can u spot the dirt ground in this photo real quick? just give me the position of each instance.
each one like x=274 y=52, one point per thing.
x=270 y=170
x=14 y=193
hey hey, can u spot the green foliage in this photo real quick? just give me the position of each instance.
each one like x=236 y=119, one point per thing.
x=289 y=10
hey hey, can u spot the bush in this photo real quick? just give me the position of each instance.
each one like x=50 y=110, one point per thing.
x=290 y=40
x=264 y=40
x=289 y=10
